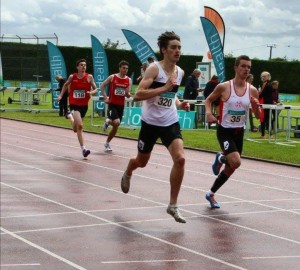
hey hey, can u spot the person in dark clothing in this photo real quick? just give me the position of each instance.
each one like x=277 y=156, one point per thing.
x=209 y=88
x=192 y=87
x=63 y=103
x=265 y=97
x=275 y=95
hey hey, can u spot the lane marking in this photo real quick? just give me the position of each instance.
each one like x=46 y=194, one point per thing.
x=144 y=261
x=19 y=264
x=129 y=229
x=76 y=266
x=270 y=257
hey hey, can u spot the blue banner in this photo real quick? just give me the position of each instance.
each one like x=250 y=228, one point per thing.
x=132 y=117
x=57 y=67
x=215 y=47
x=100 y=66
x=139 y=46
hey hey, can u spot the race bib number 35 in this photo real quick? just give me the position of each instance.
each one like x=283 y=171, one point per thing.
x=235 y=116
x=166 y=100
x=79 y=94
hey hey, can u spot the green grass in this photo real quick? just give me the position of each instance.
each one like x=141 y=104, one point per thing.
x=198 y=139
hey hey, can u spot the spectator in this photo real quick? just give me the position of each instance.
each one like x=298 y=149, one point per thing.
x=143 y=69
x=63 y=103
x=275 y=95
x=192 y=87
x=249 y=79
x=150 y=60
x=209 y=88
x=265 y=97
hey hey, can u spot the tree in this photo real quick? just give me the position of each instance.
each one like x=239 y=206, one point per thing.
x=108 y=44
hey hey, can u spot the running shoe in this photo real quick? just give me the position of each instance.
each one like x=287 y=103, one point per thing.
x=216 y=167
x=125 y=183
x=68 y=115
x=174 y=212
x=105 y=125
x=107 y=147
x=212 y=201
x=85 y=152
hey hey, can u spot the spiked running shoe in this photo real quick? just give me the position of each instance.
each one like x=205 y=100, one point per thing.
x=125 y=183
x=212 y=201
x=107 y=147
x=85 y=152
x=216 y=167
x=174 y=212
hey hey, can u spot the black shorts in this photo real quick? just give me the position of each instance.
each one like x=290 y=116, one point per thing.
x=230 y=139
x=81 y=109
x=115 y=112
x=149 y=135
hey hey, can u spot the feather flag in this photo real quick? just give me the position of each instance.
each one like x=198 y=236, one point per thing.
x=100 y=66
x=57 y=67
x=215 y=47
x=139 y=46
x=217 y=21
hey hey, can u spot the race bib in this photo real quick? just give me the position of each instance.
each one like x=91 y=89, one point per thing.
x=120 y=91
x=235 y=116
x=166 y=100
x=79 y=94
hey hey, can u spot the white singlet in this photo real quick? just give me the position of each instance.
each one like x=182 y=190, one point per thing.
x=161 y=110
x=233 y=111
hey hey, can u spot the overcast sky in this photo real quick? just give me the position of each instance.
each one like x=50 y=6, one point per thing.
x=252 y=26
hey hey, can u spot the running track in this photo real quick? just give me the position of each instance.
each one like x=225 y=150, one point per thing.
x=60 y=211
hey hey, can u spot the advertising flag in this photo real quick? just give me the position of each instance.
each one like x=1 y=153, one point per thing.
x=215 y=47
x=217 y=21
x=57 y=67
x=100 y=66
x=139 y=46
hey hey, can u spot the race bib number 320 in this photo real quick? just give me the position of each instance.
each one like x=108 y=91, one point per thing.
x=166 y=100
x=79 y=94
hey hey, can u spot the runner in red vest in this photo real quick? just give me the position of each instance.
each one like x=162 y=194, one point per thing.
x=80 y=85
x=119 y=88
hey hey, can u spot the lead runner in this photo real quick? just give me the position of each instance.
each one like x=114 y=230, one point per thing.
x=236 y=96
x=158 y=90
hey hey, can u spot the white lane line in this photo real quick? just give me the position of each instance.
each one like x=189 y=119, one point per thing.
x=19 y=264
x=144 y=261
x=76 y=266
x=270 y=257
x=138 y=197
x=130 y=229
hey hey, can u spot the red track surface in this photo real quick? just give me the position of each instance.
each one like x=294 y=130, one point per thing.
x=59 y=211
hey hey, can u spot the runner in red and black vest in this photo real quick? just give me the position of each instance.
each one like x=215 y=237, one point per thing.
x=119 y=88
x=81 y=86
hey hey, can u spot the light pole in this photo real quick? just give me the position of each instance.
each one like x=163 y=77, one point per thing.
x=271 y=48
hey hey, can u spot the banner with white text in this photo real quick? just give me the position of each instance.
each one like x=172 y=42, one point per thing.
x=139 y=46
x=57 y=67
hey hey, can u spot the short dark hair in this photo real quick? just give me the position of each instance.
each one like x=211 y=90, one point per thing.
x=150 y=59
x=241 y=57
x=123 y=63
x=164 y=39
x=79 y=61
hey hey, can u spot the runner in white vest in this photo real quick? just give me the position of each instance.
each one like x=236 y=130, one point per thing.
x=235 y=97
x=158 y=90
